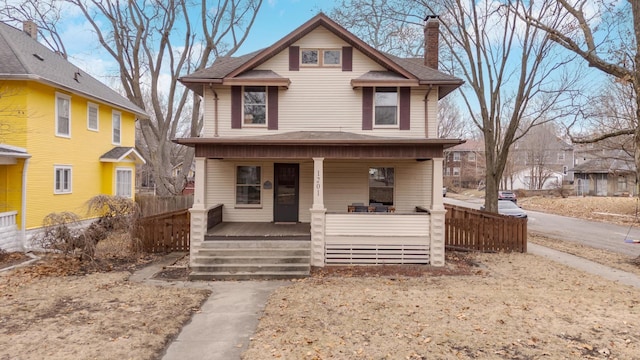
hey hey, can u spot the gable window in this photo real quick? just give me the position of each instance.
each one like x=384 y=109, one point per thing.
x=92 y=116
x=116 y=119
x=381 y=185
x=123 y=182
x=248 y=185
x=386 y=106
x=63 y=115
x=62 y=180
x=255 y=105
x=321 y=57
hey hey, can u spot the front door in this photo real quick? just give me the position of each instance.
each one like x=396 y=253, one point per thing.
x=285 y=192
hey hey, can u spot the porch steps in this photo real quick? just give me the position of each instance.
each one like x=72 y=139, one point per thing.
x=242 y=259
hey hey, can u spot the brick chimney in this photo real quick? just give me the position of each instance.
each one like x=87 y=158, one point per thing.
x=30 y=28
x=431 y=37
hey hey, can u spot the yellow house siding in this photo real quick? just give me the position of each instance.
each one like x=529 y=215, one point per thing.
x=318 y=98
x=81 y=151
x=13 y=112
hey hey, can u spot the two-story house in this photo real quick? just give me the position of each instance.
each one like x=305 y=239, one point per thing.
x=65 y=137
x=465 y=165
x=323 y=133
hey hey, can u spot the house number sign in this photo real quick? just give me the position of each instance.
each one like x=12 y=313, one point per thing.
x=318 y=183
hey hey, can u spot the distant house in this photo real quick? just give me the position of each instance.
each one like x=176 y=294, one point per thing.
x=605 y=173
x=539 y=160
x=464 y=164
x=323 y=131
x=65 y=137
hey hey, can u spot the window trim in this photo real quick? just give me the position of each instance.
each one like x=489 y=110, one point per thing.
x=386 y=126
x=471 y=156
x=68 y=99
x=393 y=194
x=320 y=62
x=90 y=106
x=123 y=169
x=235 y=188
x=62 y=190
x=266 y=108
x=113 y=128
x=456 y=156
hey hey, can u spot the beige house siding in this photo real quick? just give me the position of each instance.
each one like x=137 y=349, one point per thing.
x=319 y=98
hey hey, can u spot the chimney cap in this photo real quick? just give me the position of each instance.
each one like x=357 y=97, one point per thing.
x=432 y=16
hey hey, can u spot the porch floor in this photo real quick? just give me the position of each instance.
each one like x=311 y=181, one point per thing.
x=259 y=230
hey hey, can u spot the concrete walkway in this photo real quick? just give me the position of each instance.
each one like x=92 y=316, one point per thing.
x=227 y=320
x=585 y=265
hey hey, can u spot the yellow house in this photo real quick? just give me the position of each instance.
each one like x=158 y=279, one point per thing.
x=64 y=137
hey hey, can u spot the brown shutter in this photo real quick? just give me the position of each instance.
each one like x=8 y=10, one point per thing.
x=347 y=58
x=236 y=107
x=294 y=58
x=367 y=108
x=272 y=105
x=405 y=108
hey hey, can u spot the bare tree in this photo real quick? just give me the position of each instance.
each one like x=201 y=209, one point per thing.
x=45 y=14
x=537 y=154
x=507 y=65
x=606 y=34
x=153 y=44
x=451 y=123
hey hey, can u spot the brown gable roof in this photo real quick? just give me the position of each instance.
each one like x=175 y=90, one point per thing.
x=233 y=66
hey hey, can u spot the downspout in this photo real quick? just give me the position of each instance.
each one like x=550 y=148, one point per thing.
x=426 y=111
x=23 y=207
x=215 y=111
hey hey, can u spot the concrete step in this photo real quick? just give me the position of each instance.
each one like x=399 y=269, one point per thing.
x=251 y=268
x=252 y=252
x=256 y=244
x=263 y=275
x=248 y=259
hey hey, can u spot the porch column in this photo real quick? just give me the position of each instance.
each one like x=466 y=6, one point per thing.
x=199 y=209
x=437 y=214
x=318 y=212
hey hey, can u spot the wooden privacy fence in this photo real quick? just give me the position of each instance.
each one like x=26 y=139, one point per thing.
x=483 y=231
x=165 y=233
x=154 y=205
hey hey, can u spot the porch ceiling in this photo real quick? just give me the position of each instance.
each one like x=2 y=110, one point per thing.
x=309 y=144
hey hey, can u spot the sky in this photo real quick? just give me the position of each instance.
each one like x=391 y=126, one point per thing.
x=275 y=19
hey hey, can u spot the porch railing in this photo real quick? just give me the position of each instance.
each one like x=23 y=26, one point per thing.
x=374 y=238
x=8 y=218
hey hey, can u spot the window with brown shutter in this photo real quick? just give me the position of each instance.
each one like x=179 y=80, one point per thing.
x=272 y=115
x=236 y=107
x=294 y=58
x=405 y=108
x=367 y=108
x=347 y=58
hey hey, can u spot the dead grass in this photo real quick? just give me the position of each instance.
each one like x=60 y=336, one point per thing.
x=617 y=210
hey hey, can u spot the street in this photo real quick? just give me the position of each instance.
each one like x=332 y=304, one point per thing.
x=590 y=233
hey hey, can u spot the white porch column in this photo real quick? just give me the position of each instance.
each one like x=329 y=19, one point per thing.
x=437 y=214
x=318 y=212
x=199 y=209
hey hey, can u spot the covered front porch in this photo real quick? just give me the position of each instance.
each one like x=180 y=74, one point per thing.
x=397 y=181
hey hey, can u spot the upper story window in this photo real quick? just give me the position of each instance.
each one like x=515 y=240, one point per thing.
x=561 y=156
x=386 y=106
x=63 y=115
x=92 y=116
x=116 y=119
x=456 y=156
x=255 y=105
x=320 y=57
x=471 y=157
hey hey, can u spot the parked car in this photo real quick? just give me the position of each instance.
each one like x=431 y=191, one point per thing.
x=509 y=208
x=507 y=195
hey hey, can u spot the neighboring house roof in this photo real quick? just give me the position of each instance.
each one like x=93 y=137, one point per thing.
x=408 y=69
x=13 y=151
x=469 y=145
x=24 y=58
x=616 y=162
x=119 y=153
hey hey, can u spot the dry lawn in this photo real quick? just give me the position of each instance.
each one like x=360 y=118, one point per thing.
x=515 y=306
x=619 y=210
x=61 y=309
